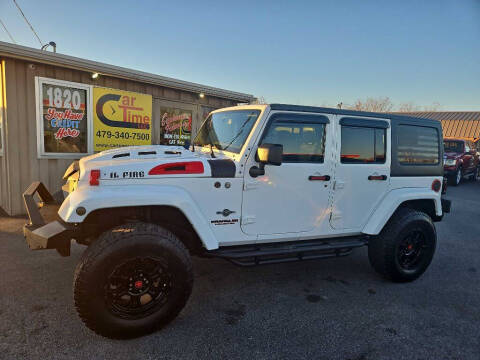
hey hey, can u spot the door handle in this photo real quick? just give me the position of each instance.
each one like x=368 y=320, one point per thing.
x=377 y=177
x=319 y=178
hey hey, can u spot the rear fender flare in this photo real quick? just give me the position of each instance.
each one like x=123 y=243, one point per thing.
x=393 y=200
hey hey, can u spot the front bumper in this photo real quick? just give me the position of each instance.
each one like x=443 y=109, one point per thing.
x=45 y=230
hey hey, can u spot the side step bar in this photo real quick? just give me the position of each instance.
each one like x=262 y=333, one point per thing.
x=259 y=254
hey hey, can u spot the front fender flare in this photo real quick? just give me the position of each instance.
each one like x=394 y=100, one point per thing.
x=393 y=200
x=96 y=198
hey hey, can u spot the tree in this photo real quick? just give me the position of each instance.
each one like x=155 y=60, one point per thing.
x=384 y=104
x=412 y=107
x=408 y=107
x=372 y=104
x=433 y=107
x=259 y=101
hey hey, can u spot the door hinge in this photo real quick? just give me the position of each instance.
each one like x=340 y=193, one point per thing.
x=248 y=220
x=338 y=185
x=335 y=215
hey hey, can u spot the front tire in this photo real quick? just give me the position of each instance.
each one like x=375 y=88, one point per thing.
x=404 y=249
x=457 y=177
x=132 y=280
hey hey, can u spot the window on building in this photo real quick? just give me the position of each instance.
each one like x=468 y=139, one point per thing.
x=418 y=145
x=362 y=145
x=302 y=141
x=63 y=118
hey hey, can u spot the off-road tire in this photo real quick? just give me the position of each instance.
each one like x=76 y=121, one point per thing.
x=123 y=243
x=383 y=249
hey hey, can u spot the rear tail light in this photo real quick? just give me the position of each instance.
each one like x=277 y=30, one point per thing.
x=94 y=177
x=191 y=167
x=436 y=185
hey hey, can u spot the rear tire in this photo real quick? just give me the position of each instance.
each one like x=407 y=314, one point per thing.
x=404 y=249
x=132 y=280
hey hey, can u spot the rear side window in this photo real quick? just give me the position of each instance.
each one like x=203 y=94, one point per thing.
x=362 y=145
x=418 y=145
x=302 y=141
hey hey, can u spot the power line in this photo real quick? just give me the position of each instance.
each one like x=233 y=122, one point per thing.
x=10 y=35
x=31 y=27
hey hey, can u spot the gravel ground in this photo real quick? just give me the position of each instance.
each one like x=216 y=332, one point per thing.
x=326 y=309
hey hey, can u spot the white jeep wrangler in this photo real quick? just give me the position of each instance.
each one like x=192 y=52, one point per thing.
x=259 y=184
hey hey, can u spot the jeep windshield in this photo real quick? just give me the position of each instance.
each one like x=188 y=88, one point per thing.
x=227 y=130
x=453 y=146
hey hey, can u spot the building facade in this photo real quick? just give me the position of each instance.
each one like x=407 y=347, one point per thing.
x=56 y=108
x=455 y=124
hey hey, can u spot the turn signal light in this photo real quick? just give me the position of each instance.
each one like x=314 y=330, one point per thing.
x=191 y=167
x=94 y=177
x=436 y=185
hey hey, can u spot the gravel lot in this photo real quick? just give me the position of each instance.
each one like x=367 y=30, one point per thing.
x=326 y=309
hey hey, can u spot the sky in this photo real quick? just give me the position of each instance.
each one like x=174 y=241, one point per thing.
x=301 y=52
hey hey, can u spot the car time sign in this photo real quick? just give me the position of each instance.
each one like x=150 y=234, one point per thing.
x=121 y=118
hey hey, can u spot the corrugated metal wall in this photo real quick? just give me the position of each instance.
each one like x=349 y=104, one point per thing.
x=3 y=162
x=20 y=165
x=457 y=124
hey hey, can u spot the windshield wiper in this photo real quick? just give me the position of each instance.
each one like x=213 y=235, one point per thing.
x=212 y=154
x=237 y=135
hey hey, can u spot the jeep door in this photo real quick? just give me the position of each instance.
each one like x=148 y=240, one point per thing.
x=362 y=171
x=292 y=197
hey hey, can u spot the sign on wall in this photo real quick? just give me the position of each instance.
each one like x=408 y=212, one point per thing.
x=176 y=126
x=63 y=118
x=2 y=107
x=121 y=118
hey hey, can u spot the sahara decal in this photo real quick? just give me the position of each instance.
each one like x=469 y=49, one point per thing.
x=224 y=222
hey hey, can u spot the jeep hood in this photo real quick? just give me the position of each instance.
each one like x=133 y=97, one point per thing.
x=154 y=162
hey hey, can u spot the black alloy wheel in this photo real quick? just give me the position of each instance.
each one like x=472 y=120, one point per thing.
x=411 y=250
x=138 y=287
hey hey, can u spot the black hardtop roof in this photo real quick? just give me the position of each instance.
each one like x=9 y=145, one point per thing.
x=323 y=110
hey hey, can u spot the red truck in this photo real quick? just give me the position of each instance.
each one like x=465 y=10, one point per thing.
x=461 y=160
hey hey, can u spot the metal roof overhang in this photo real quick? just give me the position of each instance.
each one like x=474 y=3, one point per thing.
x=46 y=57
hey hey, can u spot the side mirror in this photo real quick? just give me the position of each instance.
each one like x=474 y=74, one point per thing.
x=267 y=154
x=270 y=154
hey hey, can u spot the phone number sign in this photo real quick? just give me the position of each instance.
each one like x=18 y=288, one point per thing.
x=121 y=118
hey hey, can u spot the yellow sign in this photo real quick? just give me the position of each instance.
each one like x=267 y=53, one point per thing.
x=121 y=118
